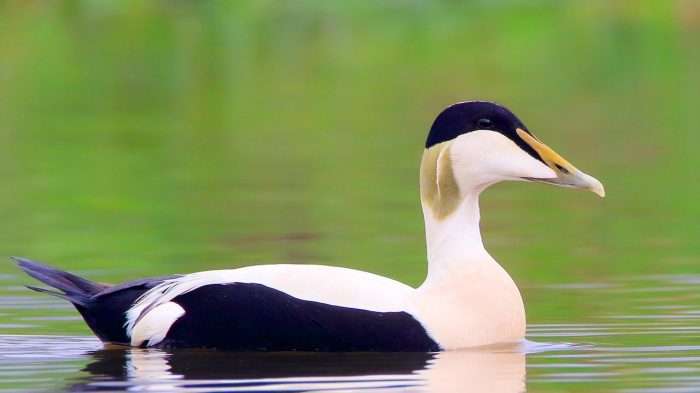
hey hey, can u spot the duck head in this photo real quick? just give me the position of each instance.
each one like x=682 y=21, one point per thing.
x=472 y=145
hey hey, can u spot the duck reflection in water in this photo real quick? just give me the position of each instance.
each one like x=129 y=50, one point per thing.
x=493 y=369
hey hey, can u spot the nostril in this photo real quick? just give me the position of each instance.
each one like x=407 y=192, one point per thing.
x=562 y=169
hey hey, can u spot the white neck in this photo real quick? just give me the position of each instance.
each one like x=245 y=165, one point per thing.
x=455 y=239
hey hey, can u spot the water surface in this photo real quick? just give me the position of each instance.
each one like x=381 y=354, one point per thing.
x=649 y=344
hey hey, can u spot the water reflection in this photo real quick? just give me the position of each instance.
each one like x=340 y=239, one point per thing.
x=493 y=369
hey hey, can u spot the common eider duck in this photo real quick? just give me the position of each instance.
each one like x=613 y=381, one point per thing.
x=466 y=300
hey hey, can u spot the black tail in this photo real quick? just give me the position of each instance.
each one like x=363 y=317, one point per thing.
x=102 y=306
x=73 y=288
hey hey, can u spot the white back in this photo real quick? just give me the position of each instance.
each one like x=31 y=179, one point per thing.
x=326 y=284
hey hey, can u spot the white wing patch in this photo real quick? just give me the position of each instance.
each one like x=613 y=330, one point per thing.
x=326 y=284
x=155 y=324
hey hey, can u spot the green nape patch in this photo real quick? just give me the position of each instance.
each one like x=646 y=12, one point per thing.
x=438 y=185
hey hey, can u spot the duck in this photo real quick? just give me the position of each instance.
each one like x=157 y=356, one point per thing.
x=467 y=298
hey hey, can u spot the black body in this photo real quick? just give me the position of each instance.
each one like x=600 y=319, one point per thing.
x=256 y=317
x=238 y=316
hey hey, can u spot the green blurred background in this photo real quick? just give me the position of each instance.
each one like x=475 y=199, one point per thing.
x=151 y=137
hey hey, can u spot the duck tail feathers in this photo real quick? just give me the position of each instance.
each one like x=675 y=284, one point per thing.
x=75 y=289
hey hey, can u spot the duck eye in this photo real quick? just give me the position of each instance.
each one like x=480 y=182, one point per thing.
x=484 y=123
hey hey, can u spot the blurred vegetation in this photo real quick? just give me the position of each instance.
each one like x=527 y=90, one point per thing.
x=151 y=137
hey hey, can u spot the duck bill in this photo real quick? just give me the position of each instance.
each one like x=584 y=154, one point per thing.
x=567 y=174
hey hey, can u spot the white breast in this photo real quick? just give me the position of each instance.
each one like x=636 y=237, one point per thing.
x=471 y=306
